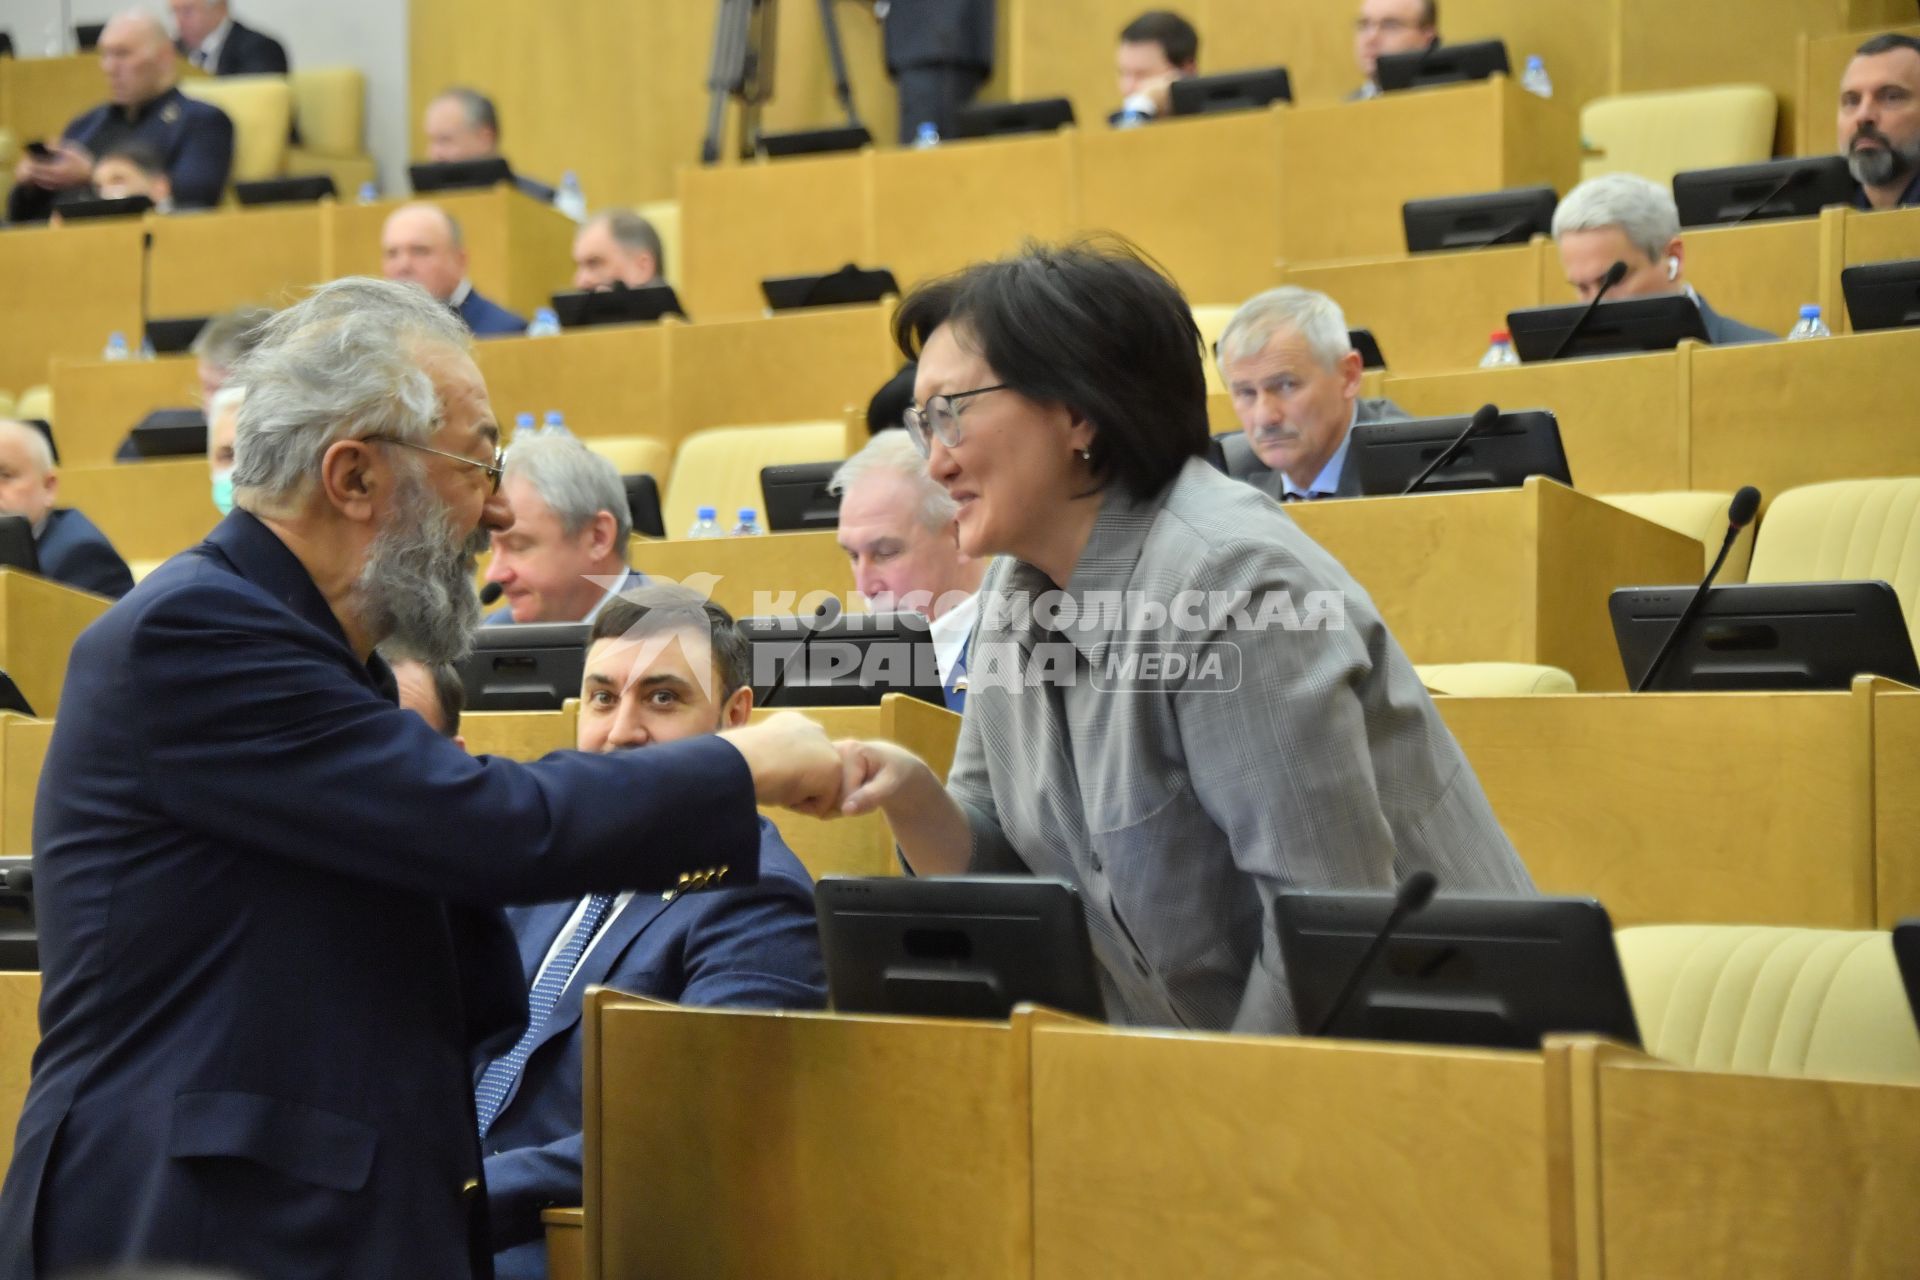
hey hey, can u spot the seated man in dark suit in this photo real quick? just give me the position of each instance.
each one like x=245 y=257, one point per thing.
x=939 y=53
x=1156 y=48
x=1880 y=122
x=215 y=43
x=144 y=104
x=421 y=244
x=69 y=547
x=566 y=555
x=461 y=124
x=664 y=664
x=1622 y=217
x=1294 y=377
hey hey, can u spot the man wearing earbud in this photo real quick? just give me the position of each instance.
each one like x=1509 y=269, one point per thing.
x=1621 y=217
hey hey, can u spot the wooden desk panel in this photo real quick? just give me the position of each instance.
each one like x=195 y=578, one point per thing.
x=1352 y=166
x=750 y=577
x=1161 y=187
x=1431 y=312
x=935 y=211
x=1161 y=1155
x=40 y=96
x=520 y=735
x=802 y=367
x=1783 y=414
x=1896 y=805
x=206 y=263
x=1516 y=575
x=19 y=1037
x=39 y=621
x=1685 y=808
x=740 y=226
x=23 y=752
x=66 y=290
x=98 y=402
x=608 y=381
x=148 y=510
x=1623 y=421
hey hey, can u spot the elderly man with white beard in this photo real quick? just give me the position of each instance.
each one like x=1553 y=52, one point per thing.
x=269 y=899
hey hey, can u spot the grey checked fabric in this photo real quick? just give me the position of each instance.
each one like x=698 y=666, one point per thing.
x=1179 y=809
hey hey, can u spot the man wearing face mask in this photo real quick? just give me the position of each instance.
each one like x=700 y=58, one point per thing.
x=664 y=665
x=71 y=549
x=1880 y=122
x=223 y=415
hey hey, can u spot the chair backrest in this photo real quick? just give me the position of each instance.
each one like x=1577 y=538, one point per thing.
x=632 y=455
x=35 y=402
x=261 y=108
x=1212 y=322
x=330 y=106
x=1699 y=515
x=1772 y=1001
x=1845 y=529
x=720 y=468
x=1493 y=679
x=1657 y=135
x=665 y=217
x=6 y=404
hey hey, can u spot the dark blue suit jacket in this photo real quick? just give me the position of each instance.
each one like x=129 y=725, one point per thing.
x=1725 y=331
x=246 y=52
x=488 y=319
x=195 y=137
x=503 y=616
x=755 y=947
x=270 y=935
x=74 y=551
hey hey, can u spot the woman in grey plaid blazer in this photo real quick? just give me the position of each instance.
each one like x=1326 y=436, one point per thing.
x=1177 y=701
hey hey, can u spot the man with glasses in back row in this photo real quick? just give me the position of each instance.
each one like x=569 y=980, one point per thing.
x=269 y=900
x=1390 y=26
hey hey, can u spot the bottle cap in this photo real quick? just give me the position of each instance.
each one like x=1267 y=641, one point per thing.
x=746 y=515
x=705 y=513
x=523 y=422
x=1810 y=311
x=1500 y=335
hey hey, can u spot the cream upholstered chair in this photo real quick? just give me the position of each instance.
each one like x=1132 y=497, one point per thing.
x=632 y=455
x=1657 y=135
x=1845 y=529
x=6 y=404
x=1493 y=679
x=720 y=467
x=261 y=108
x=35 y=402
x=1699 y=515
x=329 y=106
x=1773 y=1001
x=1213 y=322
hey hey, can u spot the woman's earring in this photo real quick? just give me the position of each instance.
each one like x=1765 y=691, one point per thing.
x=1086 y=455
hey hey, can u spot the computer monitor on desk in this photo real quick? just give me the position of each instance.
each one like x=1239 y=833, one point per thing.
x=534 y=666
x=1441 y=64
x=459 y=175
x=1765 y=636
x=19 y=933
x=1882 y=295
x=1000 y=119
x=1389 y=455
x=795 y=496
x=1627 y=327
x=1478 y=221
x=1799 y=187
x=1233 y=91
x=584 y=308
x=842 y=659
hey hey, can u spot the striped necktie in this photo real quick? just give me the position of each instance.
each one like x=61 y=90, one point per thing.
x=497 y=1080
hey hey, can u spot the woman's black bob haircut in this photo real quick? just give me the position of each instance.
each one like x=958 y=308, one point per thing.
x=1091 y=325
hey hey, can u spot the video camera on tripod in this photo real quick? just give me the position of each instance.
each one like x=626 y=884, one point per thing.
x=743 y=63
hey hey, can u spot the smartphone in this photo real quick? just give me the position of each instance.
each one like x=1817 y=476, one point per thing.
x=39 y=150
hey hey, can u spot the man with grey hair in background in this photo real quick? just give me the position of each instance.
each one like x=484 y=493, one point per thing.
x=269 y=900
x=566 y=554
x=1294 y=377
x=900 y=530
x=215 y=43
x=618 y=250
x=1622 y=217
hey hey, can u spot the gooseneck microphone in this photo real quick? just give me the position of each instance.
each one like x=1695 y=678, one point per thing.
x=1414 y=893
x=491 y=592
x=824 y=616
x=1740 y=513
x=1794 y=178
x=1615 y=274
x=1483 y=417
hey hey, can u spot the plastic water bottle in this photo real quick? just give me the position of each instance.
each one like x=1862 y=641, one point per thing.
x=545 y=324
x=55 y=45
x=749 y=526
x=1535 y=79
x=116 y=347
x=1135 y=111
x=705 y=524
x=554 y=422
x=1810 y=326
x=369 y=193
x=526 y=423
x=146 y=349
x=1500 y=350
x=927 y=135
x=569 y=199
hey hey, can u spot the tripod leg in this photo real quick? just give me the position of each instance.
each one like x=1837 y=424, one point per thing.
x=836 y=55
x=728 y=72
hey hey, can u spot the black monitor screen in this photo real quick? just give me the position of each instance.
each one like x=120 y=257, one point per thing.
x=851 y=660
x=1498 y=973
x=85 y=208
x=845 y=287
x=1794 y=188
x=956 y=947
x=1371 y=357
x=459 y=175
x=17 y=548
x=587 y=307
x=1882 y=295
x=19 y=935
x=994 y=119
x=1478 y=221
x=532 y=667
x=1524 y=443
x=1765 y=635
x=795 y=496
x=301 y=190
x=1906 y=952
x=643 y=505
x=1627 y=327
x=171 y=433
x=813 y=142
x=1233 y=91
x=174 y=335
x=1441 y=64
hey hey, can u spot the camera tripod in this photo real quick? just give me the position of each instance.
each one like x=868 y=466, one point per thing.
x=743 y=62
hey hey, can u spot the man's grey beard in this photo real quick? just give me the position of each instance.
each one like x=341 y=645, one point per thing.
x=1878 y=168
x=415 y=593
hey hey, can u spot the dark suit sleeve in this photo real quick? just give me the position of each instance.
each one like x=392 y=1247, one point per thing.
x=523 y=1182
x=756 y=948
x=257 y=55
x=205 y=157
x=96 y=567
x=256 y=734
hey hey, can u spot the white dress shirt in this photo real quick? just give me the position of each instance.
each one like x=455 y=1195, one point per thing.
x=949 y=632
x=207 y=56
